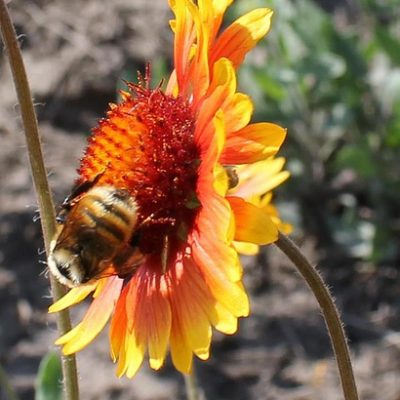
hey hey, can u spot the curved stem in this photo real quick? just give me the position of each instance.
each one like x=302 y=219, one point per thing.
x=40 y=180
x=330 y=313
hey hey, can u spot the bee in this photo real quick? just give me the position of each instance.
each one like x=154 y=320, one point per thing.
x=95 y=236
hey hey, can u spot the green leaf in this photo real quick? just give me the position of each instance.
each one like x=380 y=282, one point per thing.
x=389 y=44
x=49 y=378
x=357 y=157
x=269 y=85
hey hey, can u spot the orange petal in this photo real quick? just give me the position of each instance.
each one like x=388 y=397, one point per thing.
x=199 y=73
x=252 y=223
x=190 y=302
x=134 y=354
x=183 y=40
x=240 y=37
x=221 y=180
x=209 y=251
x=253 y=143
x=118 y=326
x=272 y=211
x=221 y=88
x=211 y=13
x=74 y=296
x=172 y=85
x=124 y=344
x=181 y=353
x=94 y=320
x=149 y=313
x=213 y=235
x=215 y=219
x=159 y=327
x=247 y=249
x=237 y=107
x=223 y=320
x=237 y=112
x=194 y=308
x=218 y=315
x=122 y=363
x=259 y=178
x=230 y=294
x=210 y=175
x=223 y=75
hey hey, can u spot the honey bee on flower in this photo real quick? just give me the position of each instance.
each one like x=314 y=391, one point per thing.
x=95 y=238
x=171 y=152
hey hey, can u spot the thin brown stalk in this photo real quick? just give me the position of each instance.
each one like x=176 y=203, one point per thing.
x=329 y=311
x=39 y=178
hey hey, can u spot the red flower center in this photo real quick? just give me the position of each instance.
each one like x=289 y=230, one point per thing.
x=146 y=145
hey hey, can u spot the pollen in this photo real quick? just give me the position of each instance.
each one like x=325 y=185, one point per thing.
x=146 y=146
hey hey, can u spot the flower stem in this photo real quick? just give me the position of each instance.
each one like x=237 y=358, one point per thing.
x=192 y=391
x=40 y=180
x=330 y=313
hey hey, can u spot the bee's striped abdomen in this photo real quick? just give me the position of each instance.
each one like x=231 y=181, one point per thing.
x=112 y=212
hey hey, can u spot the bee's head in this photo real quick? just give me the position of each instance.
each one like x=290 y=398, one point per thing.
x=66 y=266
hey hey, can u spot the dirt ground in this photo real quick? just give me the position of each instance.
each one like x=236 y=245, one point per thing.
x=75 y=53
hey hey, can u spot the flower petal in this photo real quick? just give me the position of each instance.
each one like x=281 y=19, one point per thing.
x=211 y=13
x=74 y=296
x=252 y=224
x=199 y=69
x=123 y=343
x=194 y=308
x=211 y=240
x=230 y=294
x=253 y=143
x=247 y=249
x=260 y=178
x=211 y=251
x=240 y=37
x=190 y=303
x=149 y=313
x=183 y=27
x=159 y=327
x=218 y=315
x=118 y=326
x=221 y=88
x=223 y=320
x=94 y=320
x=181 y=353
x=134 y=354
x=237 y=112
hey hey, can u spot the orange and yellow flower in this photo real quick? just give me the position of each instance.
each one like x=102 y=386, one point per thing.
x=174 y=151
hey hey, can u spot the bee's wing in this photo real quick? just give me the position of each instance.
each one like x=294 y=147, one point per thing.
x=78 y=190
x=124 y=264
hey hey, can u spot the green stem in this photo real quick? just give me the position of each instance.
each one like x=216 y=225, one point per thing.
x=192 y=391
x=40 y=180
x=330 y=313
x=6 y=385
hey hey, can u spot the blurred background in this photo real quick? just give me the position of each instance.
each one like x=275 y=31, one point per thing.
x=329 y=71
